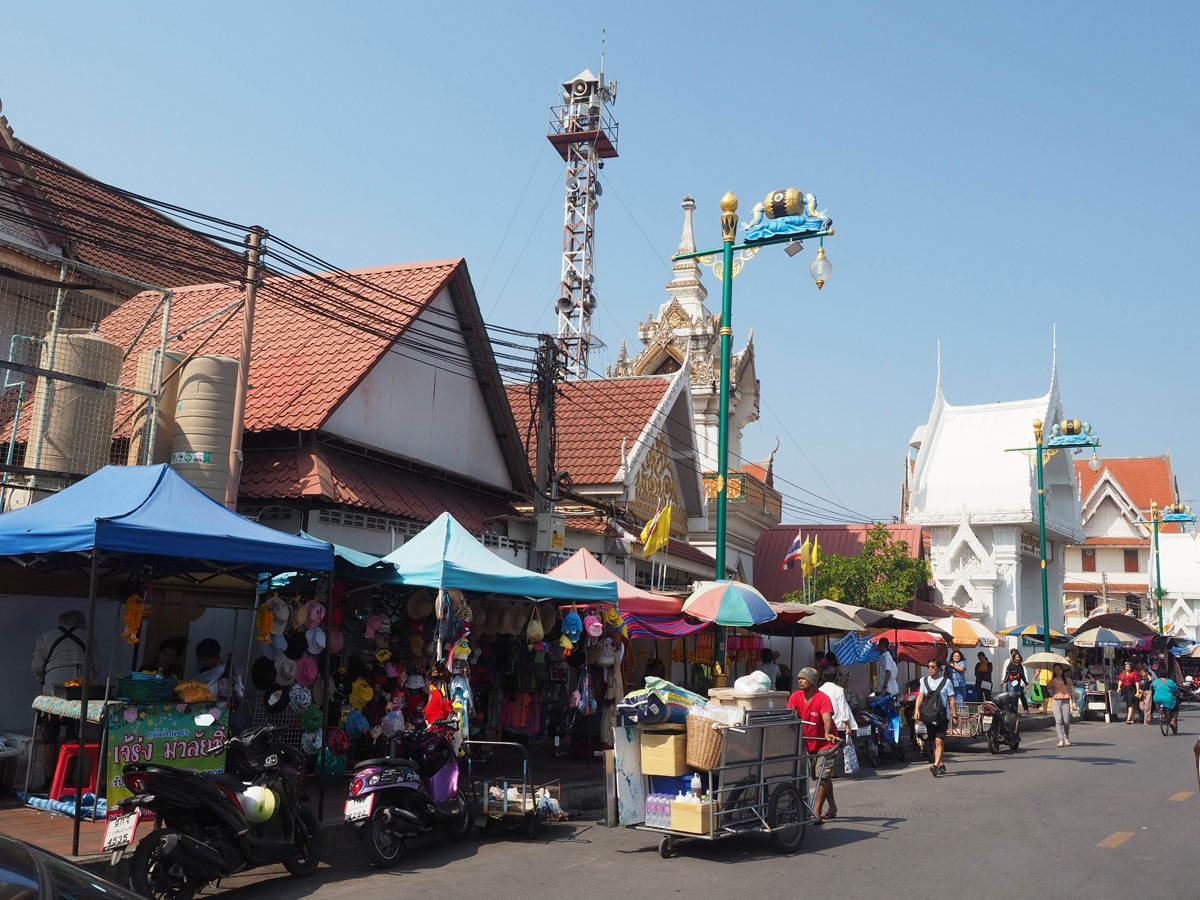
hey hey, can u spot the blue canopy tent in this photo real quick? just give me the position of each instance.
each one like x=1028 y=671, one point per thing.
x=445 y=555
x=146 y=519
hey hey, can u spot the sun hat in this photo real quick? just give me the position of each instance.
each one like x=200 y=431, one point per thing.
x=306 y=670
x=420 y=604
x=361 y=693
x=310 y=742
x=809 y=674
x=338 y=742
x=299 y=616
x=276 y=646
x=281 y=612
x=316 y=640
x=415 y=681
x=285 y=670
x=262 y=673
x=299 y=697
x=315 y=612
x=319 y=691
x=356 y=725
x=373 y=621
x=310 y=718
x=593 y=626
x=297 y=645
x=337 y=640
x=276 y=698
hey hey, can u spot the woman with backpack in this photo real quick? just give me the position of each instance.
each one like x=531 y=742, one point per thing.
x=935 y=705
x=1015 y=679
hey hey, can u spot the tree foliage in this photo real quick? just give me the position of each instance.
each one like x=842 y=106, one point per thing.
x=881 y=576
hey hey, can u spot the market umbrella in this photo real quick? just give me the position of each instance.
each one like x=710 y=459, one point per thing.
x=1104 y=637
x=1130 y=624
x=899 y=619
x=860 y=614
x=915 y=646
x=806 y=620
x=967 y=632
x=1192 y=652
x=1034 y=630
x=1044 y=660
x=729 y=603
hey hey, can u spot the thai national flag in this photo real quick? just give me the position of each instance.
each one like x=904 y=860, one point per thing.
x=795 y=553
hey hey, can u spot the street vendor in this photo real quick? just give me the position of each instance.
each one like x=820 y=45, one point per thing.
x=59 y=657
x=816 y=712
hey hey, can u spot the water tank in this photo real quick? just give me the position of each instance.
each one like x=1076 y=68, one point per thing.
x=164 y=421
x=204 y=423
x=75 y=422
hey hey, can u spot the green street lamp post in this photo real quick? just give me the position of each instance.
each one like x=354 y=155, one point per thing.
x=1175 y=512
x=785 y=217
x=1070 y=435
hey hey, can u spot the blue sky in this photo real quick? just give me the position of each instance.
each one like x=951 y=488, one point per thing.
x=991 y=169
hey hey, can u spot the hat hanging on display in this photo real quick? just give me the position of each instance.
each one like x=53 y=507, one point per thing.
x=384 y=626
x=262 y=673
x=285 y=670
x=420 y=604
x=306 y=670
x=316 y=640
x=372 y=626
x=277 y=645
x=276 y=698
x=356 y=725
x=338 y=742
x=319 y=691
x=572 y=626
x=316 y=613
x=310 y=718
x=612 y=618
x=297 y=645
x=299 y=697
x=354 y=621
x=281 y=613
x=337 y=640
x=361 y=693
x=383 y=640
x=593 y=626
x=414 y=681
x=299 y=616
x=310 y=742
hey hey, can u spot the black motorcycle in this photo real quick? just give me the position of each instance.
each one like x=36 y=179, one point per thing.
x=208 y=827
x=1000 y=721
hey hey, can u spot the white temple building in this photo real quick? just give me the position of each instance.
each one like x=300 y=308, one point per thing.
x=1179 y=556
x=979 y=504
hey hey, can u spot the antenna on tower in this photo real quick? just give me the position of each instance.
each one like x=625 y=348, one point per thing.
x=585 y=135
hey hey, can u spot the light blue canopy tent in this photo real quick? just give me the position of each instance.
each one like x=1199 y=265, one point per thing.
x=445 y=555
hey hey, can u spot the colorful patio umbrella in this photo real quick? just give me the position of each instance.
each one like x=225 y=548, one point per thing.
x=729 y=603
x=1033 y=631
x=860 y=614
x=967 y=632
x=1104 y=637
x=915 y=646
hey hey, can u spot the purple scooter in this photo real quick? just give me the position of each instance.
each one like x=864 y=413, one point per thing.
x=412 y=790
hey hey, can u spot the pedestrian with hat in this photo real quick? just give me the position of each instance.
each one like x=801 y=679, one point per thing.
x=815 y=710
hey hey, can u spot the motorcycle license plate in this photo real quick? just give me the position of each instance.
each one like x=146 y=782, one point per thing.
x=119 y=832
x=987 y=721
x=863 y=731
x=359 y=808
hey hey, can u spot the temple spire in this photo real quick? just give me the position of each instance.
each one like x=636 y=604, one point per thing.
x=687 y=242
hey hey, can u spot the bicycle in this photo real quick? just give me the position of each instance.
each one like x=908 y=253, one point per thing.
x=1168 y=719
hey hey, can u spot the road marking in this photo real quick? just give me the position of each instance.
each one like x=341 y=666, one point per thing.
x=1181 y=796
x=1116 y=839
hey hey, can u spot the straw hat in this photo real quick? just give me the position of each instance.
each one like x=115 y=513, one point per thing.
x=285 y=670
x=281 y=612
x=420 y=604
x=299 y=616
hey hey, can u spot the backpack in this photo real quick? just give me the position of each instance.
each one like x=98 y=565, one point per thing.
x=932 y=707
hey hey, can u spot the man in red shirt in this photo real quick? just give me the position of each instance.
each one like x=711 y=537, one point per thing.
x=816 y=711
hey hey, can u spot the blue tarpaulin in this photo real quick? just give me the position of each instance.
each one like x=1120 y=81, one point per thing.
x=445 y=555
x=153 y=511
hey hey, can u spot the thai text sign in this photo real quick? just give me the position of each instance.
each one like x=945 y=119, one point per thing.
x=163 y=733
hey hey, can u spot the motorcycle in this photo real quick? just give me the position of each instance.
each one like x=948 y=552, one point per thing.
x=1000 y=721
x=208 y=827
x=882 y=717
x=412 y=790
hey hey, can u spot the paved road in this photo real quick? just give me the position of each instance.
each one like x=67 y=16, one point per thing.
x=1115 y=815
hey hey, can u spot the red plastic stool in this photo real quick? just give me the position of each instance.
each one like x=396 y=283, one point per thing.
x=67 y=757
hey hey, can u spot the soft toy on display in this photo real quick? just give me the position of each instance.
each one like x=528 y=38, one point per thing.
x=572 y=628
x=135 y=609
x=263 y=619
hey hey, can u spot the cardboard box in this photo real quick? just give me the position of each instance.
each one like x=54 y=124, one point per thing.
x=664 y=753
x=694 y=818
x=763 y=700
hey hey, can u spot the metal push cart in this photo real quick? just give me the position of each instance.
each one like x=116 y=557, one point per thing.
x=762 y=784
x=504 y=790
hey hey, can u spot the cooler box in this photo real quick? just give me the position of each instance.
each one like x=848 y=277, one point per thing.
x=664 y=752
x=763 y=700
x=694 y=818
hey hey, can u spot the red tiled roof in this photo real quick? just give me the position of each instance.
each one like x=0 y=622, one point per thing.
x=302 y=363
x=589 y=524
x=684 y=550
x=1143 y=478
x=593 y=418
x=319 y=472
x=1083 y=587
x=97 y=218
x=840 y=540
x=1117 y=541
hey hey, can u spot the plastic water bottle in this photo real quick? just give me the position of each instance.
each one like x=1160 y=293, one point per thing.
x=696 y=784
x=654 y=810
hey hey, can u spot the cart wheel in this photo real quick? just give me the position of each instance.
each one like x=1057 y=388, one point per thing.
x=666 y=846
x=786 y=816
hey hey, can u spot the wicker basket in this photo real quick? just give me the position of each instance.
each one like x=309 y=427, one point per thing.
x=705 y=738
x=142 y=689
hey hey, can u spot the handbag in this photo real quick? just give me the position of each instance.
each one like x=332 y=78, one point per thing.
x=850 y=757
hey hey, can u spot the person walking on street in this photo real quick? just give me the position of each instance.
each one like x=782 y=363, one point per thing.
x=935 y=706
x=816 y=711
x=983 y=677
x=957 y=671
x=1015 y=679
x=1062 y=702
x=1127 y=681
x=1146 y=694
x=887 y=680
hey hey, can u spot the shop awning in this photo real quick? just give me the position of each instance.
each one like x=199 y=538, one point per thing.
x=151 y=511
x=444 y=555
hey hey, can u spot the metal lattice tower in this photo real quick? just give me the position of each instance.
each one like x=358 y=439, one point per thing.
x=585 y=135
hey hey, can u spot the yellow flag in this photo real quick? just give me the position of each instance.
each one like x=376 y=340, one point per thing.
x=648 y=528
x=657 y=532
x=805 y=558
x=815 y=555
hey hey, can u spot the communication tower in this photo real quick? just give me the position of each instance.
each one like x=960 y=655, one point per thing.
x=584 y=134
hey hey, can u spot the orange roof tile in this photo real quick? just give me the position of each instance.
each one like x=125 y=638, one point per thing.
x=1085 y=587
x=1143 y=478
x=302 y=362
x=1116 y=542
x=593 y=417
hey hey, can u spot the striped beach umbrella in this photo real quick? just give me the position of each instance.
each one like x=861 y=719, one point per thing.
x=967 y=632
x=1033 y=631
x=728 y=603
x=1104 y=637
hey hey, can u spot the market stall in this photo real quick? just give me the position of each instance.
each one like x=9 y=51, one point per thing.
x=148 y=523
